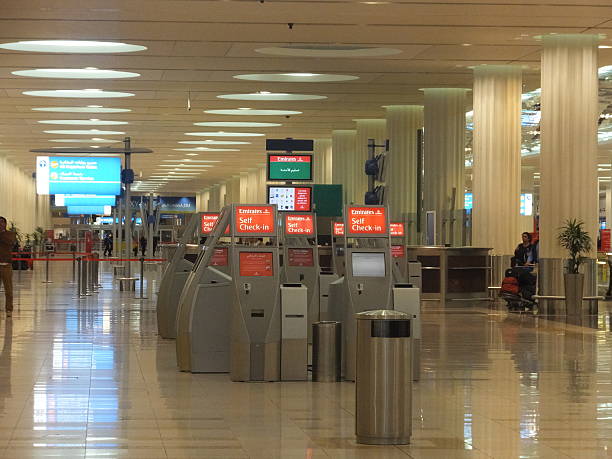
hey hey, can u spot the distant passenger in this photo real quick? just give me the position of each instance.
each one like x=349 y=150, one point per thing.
x=525 y=253
x=7 y=241
x=108 y=245
x=143 y=245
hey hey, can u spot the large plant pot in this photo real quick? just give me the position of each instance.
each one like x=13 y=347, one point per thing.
x=574 y=288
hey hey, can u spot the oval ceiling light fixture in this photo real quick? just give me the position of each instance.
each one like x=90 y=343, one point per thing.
x=84 y=132
x=266 y=95
x=86 y=73
x=87 y=109
x=225 y=134
x=253 y=112
x=205 y=149
x=94 y=140
x=236 y=124
x=317 y=50
x=213 y=142
x=296 y=77
x=92 y=122
x=78 y=93
x=72 y=46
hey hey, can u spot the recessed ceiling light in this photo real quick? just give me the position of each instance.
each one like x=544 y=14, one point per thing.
x=296 y=77
x=72 y=46
x=88 y=109
x=84 y=132
x=205 y=149
x=253 y=112
x=214 y=142
x=604 y=47
x=265 y=95
x=93 y=140
x=191 y=154
x=86 y=73
x=93 y=122
x=225 y=134
x=235 y=124
x=78 y=93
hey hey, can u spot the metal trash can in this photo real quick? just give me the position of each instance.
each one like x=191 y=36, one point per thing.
x=383 y=391
x=326 y=351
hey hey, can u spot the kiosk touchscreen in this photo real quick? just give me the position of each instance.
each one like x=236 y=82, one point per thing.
x=368 y=279
x=173 y=280
x=301 y=257
x=203 y=316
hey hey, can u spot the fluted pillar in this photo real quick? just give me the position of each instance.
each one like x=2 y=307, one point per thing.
x=497 y=157
x=403 y=121
x=244 y=187
x=322 y=160
x=568 y=159
x=343 y=149
x=215 y=193
x=366 y=129
x=444 y=168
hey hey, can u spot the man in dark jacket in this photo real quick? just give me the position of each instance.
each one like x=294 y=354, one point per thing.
x=7 y=240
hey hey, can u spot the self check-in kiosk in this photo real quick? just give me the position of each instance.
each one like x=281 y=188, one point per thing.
x=301 y=257
x=173 y=280
x=368 y=278
x=203 y=316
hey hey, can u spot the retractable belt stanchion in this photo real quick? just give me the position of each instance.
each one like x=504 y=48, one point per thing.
x=47 y=281
x=141 y=297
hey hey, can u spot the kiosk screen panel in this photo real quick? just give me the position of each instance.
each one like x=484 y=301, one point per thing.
x=291 y=198
x=368 y=264
x=219 y=257
x=300 y=257
x=256 y=264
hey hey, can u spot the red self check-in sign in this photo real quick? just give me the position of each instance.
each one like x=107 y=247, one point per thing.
x=338 y=229
x=367 y=220
x=254 y=219
x=302 y=225
x=396 y=229
x=208 y=223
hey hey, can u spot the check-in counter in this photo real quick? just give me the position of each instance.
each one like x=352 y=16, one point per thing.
x=452 y=273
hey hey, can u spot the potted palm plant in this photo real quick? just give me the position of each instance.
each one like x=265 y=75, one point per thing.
x=576 y=241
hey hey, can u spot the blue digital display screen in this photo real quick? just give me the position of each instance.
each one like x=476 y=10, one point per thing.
x=84 y=200
x=78 y=175
x=88 y=210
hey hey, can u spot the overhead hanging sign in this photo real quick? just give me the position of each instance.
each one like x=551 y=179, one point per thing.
x=366 y=220
x=254 y=220
x=62 y=200
x=89 y=210
x=291 y=198
x=289 y=167
x=78 y=175
x=299 y=224
x=396 y=229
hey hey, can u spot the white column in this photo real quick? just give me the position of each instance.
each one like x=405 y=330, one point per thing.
x=244 y=187
x=403 y=121
x=497 y=157
x=366 y=129
x=608 y=206
x=322 y=160
x=568 y=159
x=343 y=148
x=214 y=198
x=444 y=168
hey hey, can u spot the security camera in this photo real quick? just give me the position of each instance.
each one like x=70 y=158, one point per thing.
x=290 y=24
x=287 y=116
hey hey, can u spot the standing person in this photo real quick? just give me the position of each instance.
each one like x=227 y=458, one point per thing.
x=7 y=240
x=108 y=245
x=143 y=245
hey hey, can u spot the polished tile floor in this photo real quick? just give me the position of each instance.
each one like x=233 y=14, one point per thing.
x=90 y=378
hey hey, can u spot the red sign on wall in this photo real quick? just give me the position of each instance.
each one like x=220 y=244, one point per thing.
x=208 y=223
x=256 y=264
x=606 y=243
x=338 y=229
x=220 y=257
x=255 y=219
x=302 y=199
x=367 y=220
x=398 y=251
x=396 y=229
x=300 y=257
x=302 y=225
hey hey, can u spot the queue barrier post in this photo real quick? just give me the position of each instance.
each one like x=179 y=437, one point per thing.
x=141 y=297
x=46 y=281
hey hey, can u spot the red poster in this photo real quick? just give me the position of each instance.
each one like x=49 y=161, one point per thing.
x=605 y=240
x=208 y=222
x=88 y=241
x=338 y=229
x=367 y=220
x=398 y=251
x=300 y=257
x=256 y=264
x=302 y=225
x=396 y=229
x=302 y=199
x=220 y=257
x=255 y=219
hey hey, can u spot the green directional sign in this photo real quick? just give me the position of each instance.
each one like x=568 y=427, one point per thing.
x=289 y=167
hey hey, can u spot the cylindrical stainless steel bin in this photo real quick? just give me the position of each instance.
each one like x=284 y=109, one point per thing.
x=383 y=392
x=326 y=351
